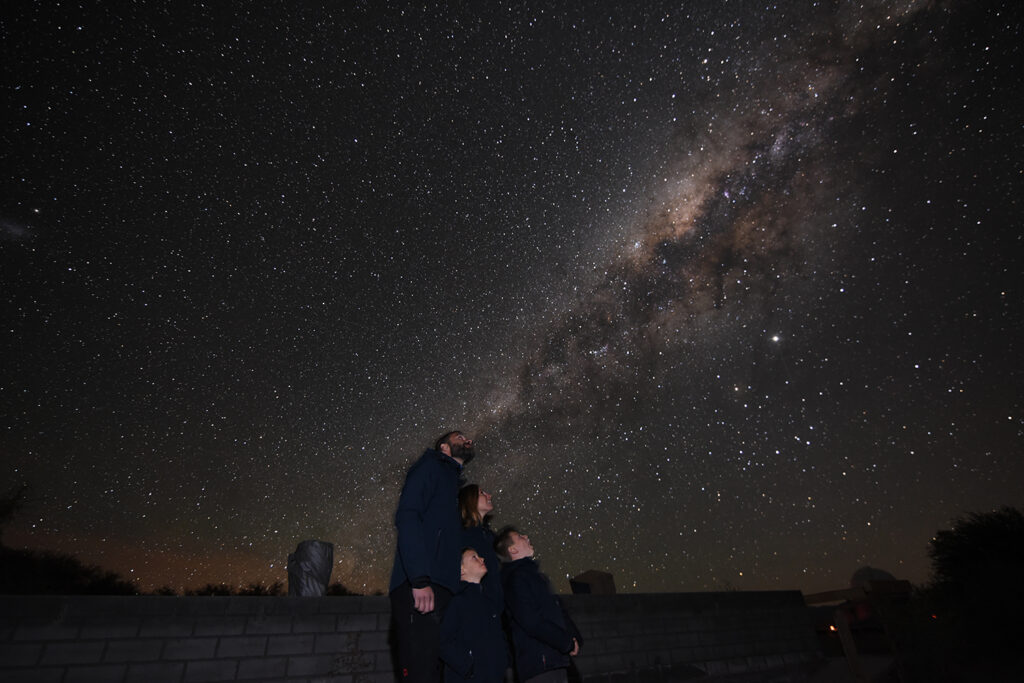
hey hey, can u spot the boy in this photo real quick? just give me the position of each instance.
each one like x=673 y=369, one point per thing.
x=544 y=636
x=472 y=643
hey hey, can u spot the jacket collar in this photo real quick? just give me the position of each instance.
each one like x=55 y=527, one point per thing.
x=447 y=459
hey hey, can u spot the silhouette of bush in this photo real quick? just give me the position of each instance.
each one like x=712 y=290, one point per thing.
x=276 y=588
x=338 y=589
x=211 y=589
x=34 y=572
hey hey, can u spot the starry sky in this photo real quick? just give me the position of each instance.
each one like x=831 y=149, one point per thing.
x=728 y=293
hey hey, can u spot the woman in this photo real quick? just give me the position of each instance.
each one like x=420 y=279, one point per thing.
x=475 y=507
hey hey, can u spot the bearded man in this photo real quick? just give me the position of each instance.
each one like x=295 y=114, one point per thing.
x=428 y=556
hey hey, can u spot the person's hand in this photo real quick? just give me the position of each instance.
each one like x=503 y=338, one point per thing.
x=575 y=648
x=423 y=599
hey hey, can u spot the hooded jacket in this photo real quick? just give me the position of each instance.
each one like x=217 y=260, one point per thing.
x=473 y=644
x=428 y=524
x=542 y=631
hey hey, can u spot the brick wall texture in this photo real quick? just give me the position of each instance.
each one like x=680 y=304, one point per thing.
x=149 y=639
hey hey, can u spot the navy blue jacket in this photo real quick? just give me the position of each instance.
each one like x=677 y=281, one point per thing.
x=481 y=539
x=542 y=631
x=473 y=644
x=428 y=524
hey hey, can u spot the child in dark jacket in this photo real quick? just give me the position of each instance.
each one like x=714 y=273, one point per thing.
x=473 y=645
x=544 y=636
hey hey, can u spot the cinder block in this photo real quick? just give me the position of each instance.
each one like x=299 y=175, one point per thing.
x=291 y=645
x=244 y=606
x=683 y=655
x=356 y=622
x=19 y=654
x=95 y=674
x=758 y=663
x=354 y=662
x=316 y=623
x=291 y=606
x=210 y=605
x=213 y=670
x=156 y=672
x=107 y=628
x=310 y=665
x=383 y=622
x=374 y=641
x=51 y=631
x=219 y=626
x=244 y=646
x=190 y=648
x=385 y=662
x=35 y=674
x=369 y=677
x=610 y=663
x=335 y=642
x=346 y=604
x=134 y=650
x=635 y=660
x=268 y=625
x=738 y=665
x=716 y=668
x=265 y=667
x=166 y=627
x=165 y=606
x=73 y=653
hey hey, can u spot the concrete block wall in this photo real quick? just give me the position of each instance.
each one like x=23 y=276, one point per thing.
x=150 y=639
x=666 y=637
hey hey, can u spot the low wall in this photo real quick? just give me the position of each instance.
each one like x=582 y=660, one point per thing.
x=149 y=639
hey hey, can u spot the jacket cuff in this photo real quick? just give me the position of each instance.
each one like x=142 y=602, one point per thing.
x=420 y=582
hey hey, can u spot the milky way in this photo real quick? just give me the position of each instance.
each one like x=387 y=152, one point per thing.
x=729 y=296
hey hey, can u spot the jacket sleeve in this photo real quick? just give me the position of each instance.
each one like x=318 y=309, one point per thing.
x=528 y=608
x=414 y=547
x=454 y=650
x=574 y=630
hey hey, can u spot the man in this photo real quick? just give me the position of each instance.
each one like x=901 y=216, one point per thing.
x=427 y=559
x=544 y=637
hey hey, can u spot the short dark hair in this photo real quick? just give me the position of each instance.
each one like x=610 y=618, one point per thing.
x=444 y=438
x=503 y=541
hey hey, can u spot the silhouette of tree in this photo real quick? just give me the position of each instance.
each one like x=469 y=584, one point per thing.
x=980 y=554
x=973 y=604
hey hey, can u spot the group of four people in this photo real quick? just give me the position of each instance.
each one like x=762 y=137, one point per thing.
x=449 y=590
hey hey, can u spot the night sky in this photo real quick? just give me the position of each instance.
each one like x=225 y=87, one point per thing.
x=729 y=293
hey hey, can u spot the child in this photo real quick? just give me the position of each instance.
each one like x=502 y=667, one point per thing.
x=472 y=643
x=544 y=636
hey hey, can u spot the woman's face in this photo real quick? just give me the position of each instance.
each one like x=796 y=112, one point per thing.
x=483 y=503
